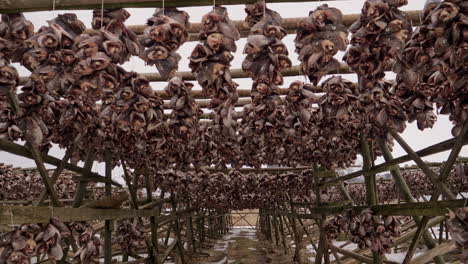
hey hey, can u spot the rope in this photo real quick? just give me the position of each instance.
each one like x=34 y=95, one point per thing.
x=264 y=8
x=53 y=8
x=102 y=13
x=11 y=216
x=51 y=211
x=163 y=6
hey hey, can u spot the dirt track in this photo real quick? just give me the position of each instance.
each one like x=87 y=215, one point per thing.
x=243 y=246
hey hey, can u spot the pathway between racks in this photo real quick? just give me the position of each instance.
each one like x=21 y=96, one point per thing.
x=243 y=246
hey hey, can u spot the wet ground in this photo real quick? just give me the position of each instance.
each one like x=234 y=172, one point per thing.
x=244 y=246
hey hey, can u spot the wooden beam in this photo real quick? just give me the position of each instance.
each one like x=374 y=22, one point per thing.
x=289 y=24
x=48 y=5
x=439 y=250
x=431 y=208
x=321 y=174
x=97 y=179
x=81 y=187
x=41 y=214
x=108 y=223
x=354 y=255
x=235 y=73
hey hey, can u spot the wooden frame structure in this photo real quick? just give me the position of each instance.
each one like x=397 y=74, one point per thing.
x=193 y=230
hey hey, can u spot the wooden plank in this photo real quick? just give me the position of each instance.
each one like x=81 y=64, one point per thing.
x=359 y=257
x=26 y=214
x=431 y=208
x=169 y=250
x=437 y=251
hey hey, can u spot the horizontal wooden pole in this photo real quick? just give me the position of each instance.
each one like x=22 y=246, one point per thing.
x=42 y=214
x=96 y=179
x=16 y=149
x=289 y=24
x=235 y=73
x=48 y=5
x=431 y=208
x=386 y=166
x=274 y=170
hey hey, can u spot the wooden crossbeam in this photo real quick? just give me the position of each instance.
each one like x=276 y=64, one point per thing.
x=289 y=24
x=321 y=174
x=431 y=208
x=359 y=257
x=11 y=214
x=235 y=73
x=439 y=250
x=48 y=5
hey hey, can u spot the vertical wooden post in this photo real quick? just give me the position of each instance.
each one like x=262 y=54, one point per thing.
x=323 y=244
x=108 y=223
x=283 y=237
x=180 y=243
x=153 y=254
x=275 y=227
x=297 y=238
x=81 y=189
x=370 y=181
x=189 y=233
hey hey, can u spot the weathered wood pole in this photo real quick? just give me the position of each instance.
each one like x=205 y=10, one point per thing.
x=370 y=180
x=108 y=223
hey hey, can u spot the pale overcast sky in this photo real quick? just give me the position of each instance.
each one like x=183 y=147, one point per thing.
x=418 y=139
